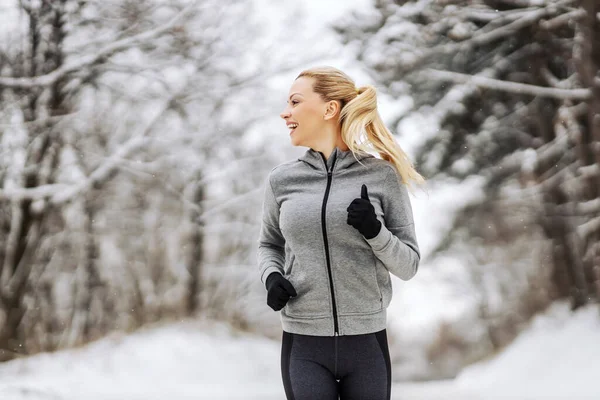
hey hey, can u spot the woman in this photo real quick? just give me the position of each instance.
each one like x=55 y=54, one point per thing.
x=336 y=222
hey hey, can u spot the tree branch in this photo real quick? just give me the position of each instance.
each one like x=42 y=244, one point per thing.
x=34 y=193
x=62 y=193
x=590 y=207
x=512 y=87
x=589 y=171
x=89 y=59
x=101 y=173
x=482 y=38
x=447 y=105
x=104 y=171
x=586 y=229
x=489 y=15
x=563 y=19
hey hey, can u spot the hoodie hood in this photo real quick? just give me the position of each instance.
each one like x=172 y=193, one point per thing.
x=343 y=159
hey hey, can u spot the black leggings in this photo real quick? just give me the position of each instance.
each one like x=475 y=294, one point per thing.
x=353 y=367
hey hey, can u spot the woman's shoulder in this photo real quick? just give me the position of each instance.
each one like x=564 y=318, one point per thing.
x=283 y=170
x=379 y=165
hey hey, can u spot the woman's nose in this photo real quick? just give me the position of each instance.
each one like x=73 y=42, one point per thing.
x=284 y=113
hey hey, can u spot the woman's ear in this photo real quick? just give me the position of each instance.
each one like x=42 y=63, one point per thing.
x=332 y=109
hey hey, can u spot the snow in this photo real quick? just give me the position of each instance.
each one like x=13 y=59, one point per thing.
x=443 y=199
x=9 y=20
x=557 y=357
x=201 y=360
x=320 y=13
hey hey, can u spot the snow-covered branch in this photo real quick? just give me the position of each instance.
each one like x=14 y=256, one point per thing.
x=61 y=193
x=90 y=59
x=446 y=107
x=589 y=227
x=480 y=38
x=563 y=19
x=101 y=173
x=590 y=171
x=34 y=193
x=489 y=15
x=511 y=28
x=134 y=169
x=590 y=207
x=512 y=87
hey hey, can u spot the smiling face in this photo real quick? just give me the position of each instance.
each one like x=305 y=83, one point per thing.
x=306 y=109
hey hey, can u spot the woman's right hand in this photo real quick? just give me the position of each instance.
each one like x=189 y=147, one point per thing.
x=279 y=291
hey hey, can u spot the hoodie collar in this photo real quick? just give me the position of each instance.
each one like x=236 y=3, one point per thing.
x=339 y=159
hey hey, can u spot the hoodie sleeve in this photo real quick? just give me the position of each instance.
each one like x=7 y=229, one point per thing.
x=396 y=243
x=271 y=251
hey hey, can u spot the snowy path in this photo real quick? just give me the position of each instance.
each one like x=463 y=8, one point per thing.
x=183 y=361
x=209 y=361
x=417 y=391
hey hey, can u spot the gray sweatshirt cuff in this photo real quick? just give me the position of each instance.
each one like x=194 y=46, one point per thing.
x=381 y=240
x=267 y=272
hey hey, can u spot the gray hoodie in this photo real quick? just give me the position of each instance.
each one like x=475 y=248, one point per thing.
x=341 y=278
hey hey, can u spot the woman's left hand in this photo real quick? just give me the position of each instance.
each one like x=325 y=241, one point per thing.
x=361 y=215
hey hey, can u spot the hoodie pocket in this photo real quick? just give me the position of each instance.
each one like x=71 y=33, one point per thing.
x=358 y=289
x=312 y=300
x=287 y=269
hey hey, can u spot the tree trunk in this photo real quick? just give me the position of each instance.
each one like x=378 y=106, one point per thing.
x=588 y=67
x=193 y=242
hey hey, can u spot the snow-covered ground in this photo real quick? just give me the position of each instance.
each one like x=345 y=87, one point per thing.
x=558 y=357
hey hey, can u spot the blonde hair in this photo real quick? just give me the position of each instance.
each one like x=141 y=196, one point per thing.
x=359 y=112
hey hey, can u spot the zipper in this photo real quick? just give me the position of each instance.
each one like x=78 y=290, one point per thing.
x=323 y=213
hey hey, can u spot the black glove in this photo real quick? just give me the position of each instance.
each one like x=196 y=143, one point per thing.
x=361 y=215
x=279 y=291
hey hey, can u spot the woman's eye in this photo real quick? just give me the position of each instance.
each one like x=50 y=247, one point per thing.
x=294 y=101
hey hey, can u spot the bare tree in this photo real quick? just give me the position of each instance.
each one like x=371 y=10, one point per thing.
x=112 y=115
x=39 y=86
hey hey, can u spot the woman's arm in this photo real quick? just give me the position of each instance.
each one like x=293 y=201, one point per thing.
x=396 y=243
x=271 y=251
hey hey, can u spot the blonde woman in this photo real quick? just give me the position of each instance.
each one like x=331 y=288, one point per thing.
x=336 y=222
